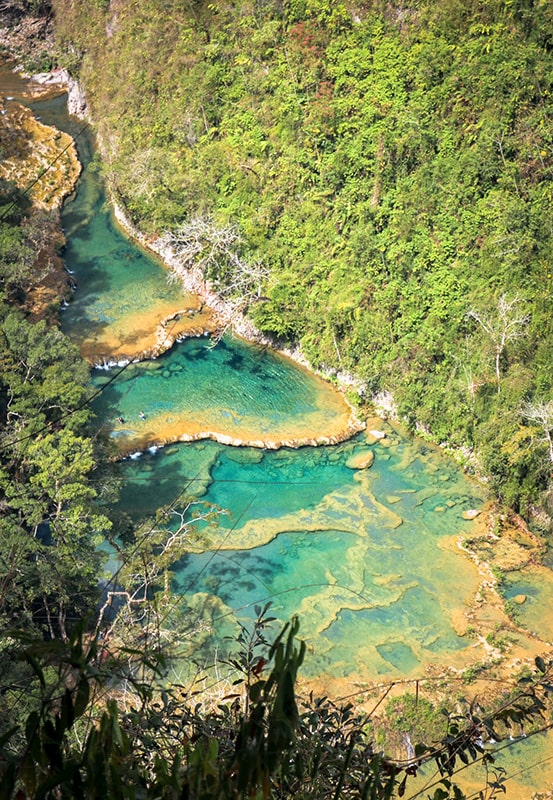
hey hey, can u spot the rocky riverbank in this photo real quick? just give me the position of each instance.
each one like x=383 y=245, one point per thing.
x=42 y=163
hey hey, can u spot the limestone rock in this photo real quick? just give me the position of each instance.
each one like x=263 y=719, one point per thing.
x=361 y=460
x=519 y=599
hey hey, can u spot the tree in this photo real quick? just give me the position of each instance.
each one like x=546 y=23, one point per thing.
x=216 y=251
x=16 y=259
x=540 y=412
x=140 y=599
x=50 y=528
x=504 y=327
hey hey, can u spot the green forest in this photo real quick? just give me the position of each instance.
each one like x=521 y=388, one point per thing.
x=387 y=167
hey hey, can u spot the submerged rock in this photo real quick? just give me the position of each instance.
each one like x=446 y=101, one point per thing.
x=519 y=599
x=361 y=460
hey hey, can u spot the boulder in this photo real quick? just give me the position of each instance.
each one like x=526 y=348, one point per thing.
x=519 y=599
x=361 y=460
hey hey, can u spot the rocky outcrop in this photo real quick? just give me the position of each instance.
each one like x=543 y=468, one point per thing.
x=43 y=162
x=23 y=34
x=40 y=160
x=60 y=79
x=135 y=448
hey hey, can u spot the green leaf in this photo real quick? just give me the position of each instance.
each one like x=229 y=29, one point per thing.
x=7 y=784
x=8 y=735
x=67 y=712
x=540 y=664
x=81 y=697
x=35 y=666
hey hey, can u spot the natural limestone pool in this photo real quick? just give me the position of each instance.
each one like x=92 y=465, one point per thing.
x=231 y=391
x=369 y=558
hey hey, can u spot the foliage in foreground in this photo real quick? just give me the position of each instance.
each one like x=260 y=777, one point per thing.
x=99 y=732
x=50 y=525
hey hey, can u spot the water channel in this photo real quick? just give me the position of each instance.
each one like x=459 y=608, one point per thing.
x=369 y=558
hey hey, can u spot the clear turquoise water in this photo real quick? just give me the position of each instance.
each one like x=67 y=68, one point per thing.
x=233 y=389
x=359 y=555
x=366 y=558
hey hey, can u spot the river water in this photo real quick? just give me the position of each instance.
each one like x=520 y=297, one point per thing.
x=368 y=558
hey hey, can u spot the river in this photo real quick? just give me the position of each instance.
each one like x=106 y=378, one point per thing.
x=369 y=558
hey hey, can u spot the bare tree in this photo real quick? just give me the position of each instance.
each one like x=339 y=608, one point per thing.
x=141 y=594
x=217 y=251
x=541 y=413
x=503 y=328
x=472 y=382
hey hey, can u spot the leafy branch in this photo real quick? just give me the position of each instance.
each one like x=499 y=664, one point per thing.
x=261 y=741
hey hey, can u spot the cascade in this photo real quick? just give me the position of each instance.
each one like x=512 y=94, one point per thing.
x=359 y=537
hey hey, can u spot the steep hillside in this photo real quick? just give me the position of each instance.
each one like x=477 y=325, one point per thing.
x=390 y=167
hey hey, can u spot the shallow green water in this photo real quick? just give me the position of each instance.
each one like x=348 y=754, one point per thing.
x=365 y=557
x=526 y=764
x=123 y=291
x=121 y=287
x=535 y=585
